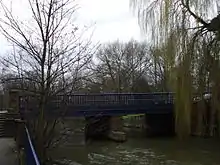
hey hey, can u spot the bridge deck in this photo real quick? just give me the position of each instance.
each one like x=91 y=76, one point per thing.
x=8 y=156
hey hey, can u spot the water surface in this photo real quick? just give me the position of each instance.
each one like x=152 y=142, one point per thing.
x=143 y=151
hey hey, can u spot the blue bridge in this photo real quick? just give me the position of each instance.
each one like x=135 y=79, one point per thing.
x=102 y=104
x=102 y=112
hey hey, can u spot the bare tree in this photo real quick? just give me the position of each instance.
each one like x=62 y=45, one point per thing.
x=121 y=65
x=50 y=46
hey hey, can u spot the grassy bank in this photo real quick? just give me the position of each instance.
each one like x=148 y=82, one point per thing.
x=131 y=116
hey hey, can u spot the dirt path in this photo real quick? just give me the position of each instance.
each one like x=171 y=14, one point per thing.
x=8 y=155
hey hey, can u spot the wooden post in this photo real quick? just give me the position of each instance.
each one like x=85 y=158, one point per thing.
x=20 y=132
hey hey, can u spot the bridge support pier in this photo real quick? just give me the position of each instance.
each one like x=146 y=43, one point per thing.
x=97 y=127
x=116 y=132
x=104 y=127
x=160 y=124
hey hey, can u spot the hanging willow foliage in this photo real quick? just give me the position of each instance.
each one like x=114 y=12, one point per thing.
x=191 y=49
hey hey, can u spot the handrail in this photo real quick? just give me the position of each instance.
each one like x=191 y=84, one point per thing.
x=31 y=156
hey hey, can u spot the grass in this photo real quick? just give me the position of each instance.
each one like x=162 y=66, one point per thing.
x=130 y=116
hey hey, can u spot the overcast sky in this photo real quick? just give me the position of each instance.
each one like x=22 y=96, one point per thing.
x=110 y=19
x=113 y=19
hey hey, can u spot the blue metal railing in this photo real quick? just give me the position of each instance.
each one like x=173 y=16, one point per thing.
x=31 y=157
x=98 y=99
x=91 y=104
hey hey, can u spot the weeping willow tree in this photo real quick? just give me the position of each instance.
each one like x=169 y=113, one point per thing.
x=189 y=37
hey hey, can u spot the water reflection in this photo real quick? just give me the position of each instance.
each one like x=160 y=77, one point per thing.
x=142 y=151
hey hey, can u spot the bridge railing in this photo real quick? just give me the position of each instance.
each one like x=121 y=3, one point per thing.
x=106 y=100
x=113 y=98
x=31 y=157
x=99 y=99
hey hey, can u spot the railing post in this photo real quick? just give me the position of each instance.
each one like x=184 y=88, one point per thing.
x=19 y=135
x=21 y=155
x=19 y=138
